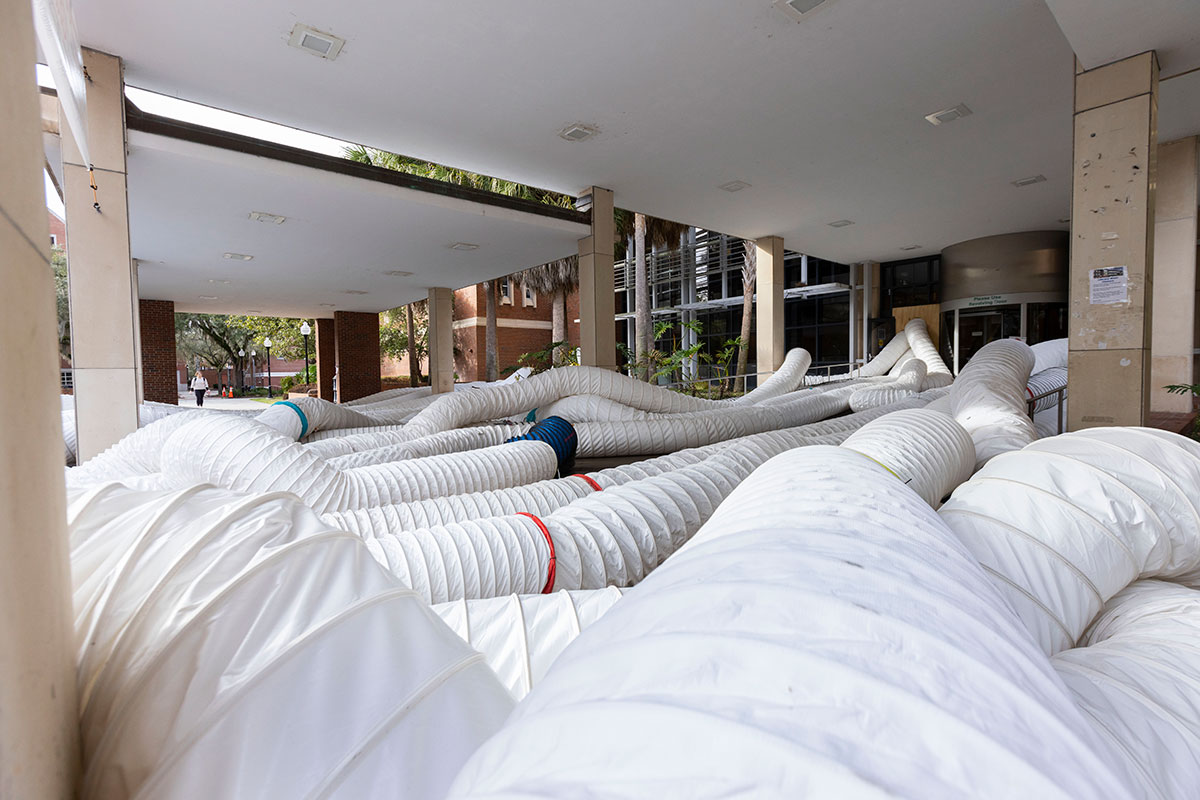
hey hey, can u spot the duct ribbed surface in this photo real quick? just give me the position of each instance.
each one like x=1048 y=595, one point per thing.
x=988 y=399
x=247 y=456
x=824 y=635
x=925 y=450
x=937 y=373
x=1068 y=522
x=209 y=623
x=455 y=441
x=1046 y=381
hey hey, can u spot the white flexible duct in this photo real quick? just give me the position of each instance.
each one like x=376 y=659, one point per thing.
x=370 y=430
x=988 y=399
x=906 y=357
x=521 y=635
x=247 y=456
x=937 y=373
x=463 y=408
x=824 y=635
x=455 y=441
x=1137 y=673
x=404 y=393
x=590 y=408
x=224 y=621
x=1049 y=354
x=304 y=415
x=134 y=455
x=907 y=383
x=788 y=378
x=1045 y=381
x=1068 y=522
x=886 y=358
x=926 y=450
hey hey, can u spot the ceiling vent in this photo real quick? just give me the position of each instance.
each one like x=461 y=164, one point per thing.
x=578 y=132
x=911 y=247
x=841 y=223
x=734 y=186
x=1030 y=181
x=800 y=10
x=262 y=216
x=314 y=42
x=948 y=114
x=354 y=291
x=398 y=273
x=464 y=246
x=236 y=257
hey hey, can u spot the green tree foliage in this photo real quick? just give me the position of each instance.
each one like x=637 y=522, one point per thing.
x=214 y=340
x=393 y=333
x=58 y=261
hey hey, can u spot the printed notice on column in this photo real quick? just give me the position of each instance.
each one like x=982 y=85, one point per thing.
x=1109 y=285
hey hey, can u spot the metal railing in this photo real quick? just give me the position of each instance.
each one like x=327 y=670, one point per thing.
x=1061 y=391
x=828 y=370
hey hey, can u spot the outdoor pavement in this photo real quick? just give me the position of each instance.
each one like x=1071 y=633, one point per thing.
x=218 y=403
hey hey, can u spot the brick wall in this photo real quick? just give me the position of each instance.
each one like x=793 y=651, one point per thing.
x=159 y=380
x=326 y=358
x=357 y=345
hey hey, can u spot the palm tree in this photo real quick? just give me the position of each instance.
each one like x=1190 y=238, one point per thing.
x=749 y=278
x=556 y=279
x=659 y=233
x=491 y=369
x=414 y=363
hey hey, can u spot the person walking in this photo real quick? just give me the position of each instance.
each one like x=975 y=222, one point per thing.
x=199 y=386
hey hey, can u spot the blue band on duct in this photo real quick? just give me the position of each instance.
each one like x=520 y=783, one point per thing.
x=559 y=434
x=303 y=419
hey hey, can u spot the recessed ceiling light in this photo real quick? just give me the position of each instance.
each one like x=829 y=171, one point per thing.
x=208 y=297
x=734 y=186
x=218 y=280
x=1032 y=179
x=799 y=9
x=262 y=216
x=398 y=273
x=463 y=246
x=948 y=114
x=237 y=257
x=318 y=43
x=912 y=247
x=253 y=310
x=841 y=223
x=328 y=305
x=354 y=291
x=578 y=132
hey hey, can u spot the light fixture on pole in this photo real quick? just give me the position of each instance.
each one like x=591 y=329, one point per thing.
x=242 y=366
x=305 y=330
x=267 y=344
x=253 y=376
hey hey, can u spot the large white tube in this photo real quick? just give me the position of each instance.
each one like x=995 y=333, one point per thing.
x=247 y=456
x=937 y=373
x=823 y=636
x=886 y=358
x=439 y=444
x=1068 y=522
x=988 y=399
x=229 y=621
x=521 y=635
x=1137 y=674
x=926 y=450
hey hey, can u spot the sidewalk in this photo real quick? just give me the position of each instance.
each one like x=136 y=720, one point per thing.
x=218 y=403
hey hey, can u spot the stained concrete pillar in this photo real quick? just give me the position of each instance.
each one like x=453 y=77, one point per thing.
x=326 y=355
x=768 y=304
x=597 y=304
x=1112 y=243
x=1173 y=333
x=356 y=337
x=38 y=712
x=441 y=339
x=102 y=276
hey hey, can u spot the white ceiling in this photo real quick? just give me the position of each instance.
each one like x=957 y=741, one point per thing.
x=1102 y=31
x=190 y=203
x=1179 y=106
x=823 y=118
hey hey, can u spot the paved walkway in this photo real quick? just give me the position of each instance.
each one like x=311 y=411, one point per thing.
x=219 y=403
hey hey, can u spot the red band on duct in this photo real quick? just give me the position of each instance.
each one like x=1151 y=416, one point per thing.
x=590 y=482
x=549 y=587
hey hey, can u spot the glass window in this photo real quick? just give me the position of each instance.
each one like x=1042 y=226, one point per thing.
x=834 y=309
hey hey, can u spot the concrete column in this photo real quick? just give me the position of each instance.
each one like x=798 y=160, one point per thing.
x=1112 y=243
x=39 y=741
x=326 y=357
x=1173 y=334
x=102 y=275
x=356 y=337
x=597 y=305
x=768 y=304
x=441 y=339
x=156 y=321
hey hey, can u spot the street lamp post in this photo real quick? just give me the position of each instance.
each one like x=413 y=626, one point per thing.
x=242 y=366
x=305 y=330
x=253 y=376
x=267 y=344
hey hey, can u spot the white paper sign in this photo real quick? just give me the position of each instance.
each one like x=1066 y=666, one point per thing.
x=1109 y=285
